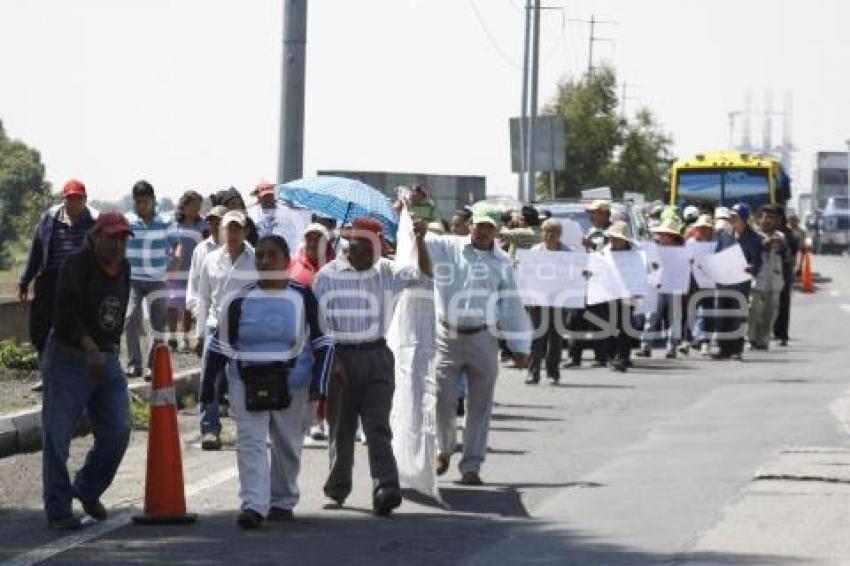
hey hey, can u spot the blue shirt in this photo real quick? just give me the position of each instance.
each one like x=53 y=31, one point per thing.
x=66 y=239
x=273 y=327
x=148 y=251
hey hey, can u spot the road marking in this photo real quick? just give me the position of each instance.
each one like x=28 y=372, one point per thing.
x=89 y=533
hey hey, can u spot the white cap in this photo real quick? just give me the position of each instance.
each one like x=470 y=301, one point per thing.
x=234 y=216
x=316 y=227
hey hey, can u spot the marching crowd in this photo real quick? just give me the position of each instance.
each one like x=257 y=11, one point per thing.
x=289 y=314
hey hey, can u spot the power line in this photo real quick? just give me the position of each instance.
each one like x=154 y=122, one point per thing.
x=480 y=18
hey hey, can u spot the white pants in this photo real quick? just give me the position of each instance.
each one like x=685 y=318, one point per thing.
x=261 y=487
x=476 y=356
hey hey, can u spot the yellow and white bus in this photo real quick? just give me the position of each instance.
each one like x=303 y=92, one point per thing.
x=723 y=178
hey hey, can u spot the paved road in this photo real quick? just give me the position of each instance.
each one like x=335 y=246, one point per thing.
x=652 y=467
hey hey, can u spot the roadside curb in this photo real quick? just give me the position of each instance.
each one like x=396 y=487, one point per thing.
x=21 y=431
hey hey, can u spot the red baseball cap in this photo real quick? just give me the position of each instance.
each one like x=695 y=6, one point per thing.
x=264 y=189
x=112 y=224
x=367 y=224
x=74 y=187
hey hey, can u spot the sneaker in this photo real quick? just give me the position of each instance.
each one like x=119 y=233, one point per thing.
x=67 y=524
x=617 y=367
x=461 y=408
x=671 y=354
x=173 y=344
x=643 y=353
x=37 y=387
x=533 y=380
x=471 y=478
x=783 y=343
x=705 y=350
x=249 y=519
x=573 y=364
x=318 y=431
x=554 y=378
x=94 y=509
x=133 y=371
x=308 y=441
x=442 y=464
x=279 y=515
x=210 y=441
x=685 y=349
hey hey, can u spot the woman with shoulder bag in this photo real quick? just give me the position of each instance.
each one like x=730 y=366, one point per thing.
x=278 y=363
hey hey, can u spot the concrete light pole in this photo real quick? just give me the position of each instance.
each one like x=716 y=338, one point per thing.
x=290 y=163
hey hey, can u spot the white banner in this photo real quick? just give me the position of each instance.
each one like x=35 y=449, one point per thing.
x=552 y=279
x=572 y=235
x=600 y=193
x=728 y=267
x=699 y=252
x=675 y=270
x=616 y=275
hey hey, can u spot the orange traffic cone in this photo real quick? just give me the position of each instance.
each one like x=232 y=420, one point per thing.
x=807 y=285
x=165 y=500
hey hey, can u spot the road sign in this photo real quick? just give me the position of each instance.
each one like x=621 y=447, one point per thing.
x=550 y=147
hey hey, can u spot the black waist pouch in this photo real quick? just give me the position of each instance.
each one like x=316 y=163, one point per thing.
x=266 y=386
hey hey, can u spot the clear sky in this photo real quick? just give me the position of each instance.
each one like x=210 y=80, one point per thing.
x=186 y=93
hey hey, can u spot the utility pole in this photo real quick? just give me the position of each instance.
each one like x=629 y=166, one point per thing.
x=290 y=165
x=593 y=40
x=531 y=185
x=523 y=124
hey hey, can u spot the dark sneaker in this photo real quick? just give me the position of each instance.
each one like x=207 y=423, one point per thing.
x=574 y=364
x=471 y=478
x=133 y=371
x=461 y=407
x=249 y=519
x=210 y=441
x=66 y=524
x=533 y=380
x=94 y=509
x=37 y=387
x=644 y=353
x=617 y=367
x=385 y=500
x=278 y=515
x=442 y=464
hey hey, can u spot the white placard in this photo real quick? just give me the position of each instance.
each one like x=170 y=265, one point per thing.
x=599 y=193
x=699 y=252
x=616 y=275
x=727 y=267
x=552 y=279
x=675 y=270
x=636 y=198
x=571 y=234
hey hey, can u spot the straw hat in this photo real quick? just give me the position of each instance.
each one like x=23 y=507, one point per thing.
x=704 y=221
x=669 y=226
x=599 y=204
x=619 y=230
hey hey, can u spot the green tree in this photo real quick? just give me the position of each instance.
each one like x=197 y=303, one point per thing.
x=23 y=192
x=603 y=149
x=644 y=158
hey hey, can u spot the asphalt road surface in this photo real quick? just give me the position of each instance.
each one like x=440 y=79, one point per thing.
x=648 y=467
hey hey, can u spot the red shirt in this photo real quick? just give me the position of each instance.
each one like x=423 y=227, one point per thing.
x=303 y=270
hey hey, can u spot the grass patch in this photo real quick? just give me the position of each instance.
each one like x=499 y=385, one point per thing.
x=17 y=355
x=140 y=413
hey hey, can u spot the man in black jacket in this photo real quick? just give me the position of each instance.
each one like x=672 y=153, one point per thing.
x=81 y=371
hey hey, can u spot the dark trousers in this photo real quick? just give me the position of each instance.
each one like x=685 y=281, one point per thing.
x=582 y=325
x=548 y=344
x=731 y=324
x=365 y=393
x=619 y=346
x=41 y=309
x=783 y=319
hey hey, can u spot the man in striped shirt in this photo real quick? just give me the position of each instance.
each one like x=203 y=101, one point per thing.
x=148 y=254
x=356 y=295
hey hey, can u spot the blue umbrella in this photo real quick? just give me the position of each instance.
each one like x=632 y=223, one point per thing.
x=342 y=199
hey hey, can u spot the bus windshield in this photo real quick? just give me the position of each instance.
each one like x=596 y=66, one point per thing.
x=723 y=187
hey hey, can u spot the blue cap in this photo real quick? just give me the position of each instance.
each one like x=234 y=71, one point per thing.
x=742 y=210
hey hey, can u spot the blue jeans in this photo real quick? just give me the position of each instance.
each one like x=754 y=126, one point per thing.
x=68 y=391
x=155 y=294
x=669 y=310
x=210 y=414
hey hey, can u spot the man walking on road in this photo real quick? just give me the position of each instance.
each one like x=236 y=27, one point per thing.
x=82 y=372
x=769 y=281
x=356 y=295
x=475 y=292
x=224 y=272
x=733 y=299
x=148 y=255
x=60 y=232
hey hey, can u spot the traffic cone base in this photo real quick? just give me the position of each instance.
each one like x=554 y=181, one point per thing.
x=165 y=498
